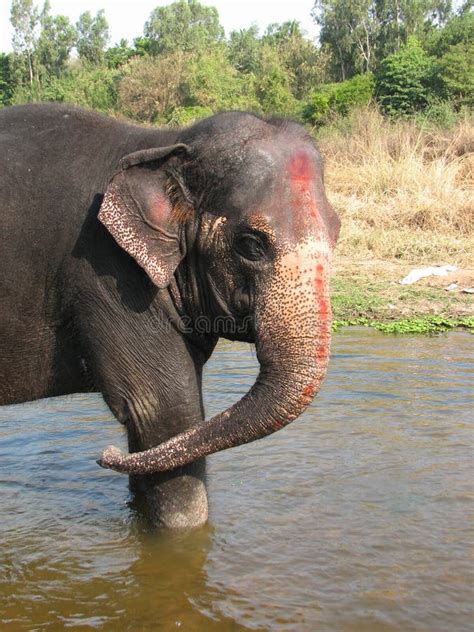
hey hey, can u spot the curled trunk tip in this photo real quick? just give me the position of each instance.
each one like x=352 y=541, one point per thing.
x=112 y=458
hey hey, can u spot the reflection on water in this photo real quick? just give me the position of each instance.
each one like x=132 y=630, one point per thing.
x=355 y=518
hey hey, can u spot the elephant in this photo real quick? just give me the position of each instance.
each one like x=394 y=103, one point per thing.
x=128 y=251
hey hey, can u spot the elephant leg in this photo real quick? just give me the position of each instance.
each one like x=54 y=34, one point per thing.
x=153 y=386
x=174 y=499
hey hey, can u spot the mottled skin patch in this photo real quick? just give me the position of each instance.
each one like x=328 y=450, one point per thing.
x=129 y=238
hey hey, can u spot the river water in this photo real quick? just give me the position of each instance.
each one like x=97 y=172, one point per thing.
x=355 y=518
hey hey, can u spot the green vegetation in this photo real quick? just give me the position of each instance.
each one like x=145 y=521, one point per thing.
x=374 y=298
x=408 y=56
x=425 y=325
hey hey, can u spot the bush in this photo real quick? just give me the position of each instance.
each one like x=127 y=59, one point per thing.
x=455 y=74
x=403 y=80
x=212 y=82
x=152 y=87
x=352 y=93
x=440 y=114
x=187 y=115
x=6 y=79
x=339 y=98
x=90 y=86
x=273 y=84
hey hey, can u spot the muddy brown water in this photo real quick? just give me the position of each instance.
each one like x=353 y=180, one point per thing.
x=355 y=518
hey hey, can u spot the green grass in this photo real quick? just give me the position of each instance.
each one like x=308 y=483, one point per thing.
x=424 y=325
x=359 y=300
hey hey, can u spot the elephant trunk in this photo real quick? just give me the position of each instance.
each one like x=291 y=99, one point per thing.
x=292 y=340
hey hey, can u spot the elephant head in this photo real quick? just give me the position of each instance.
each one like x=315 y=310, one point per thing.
x=238 y=208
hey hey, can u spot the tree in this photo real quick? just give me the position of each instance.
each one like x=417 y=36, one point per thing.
x=350 y=30
x=151 y=87
x=455 y=74
x=402 y=19
x=6 y=79
x=55 y=42
x=459 y=29
x=119 y=54
x=273 y=85
x=185 y=25
x=215 y=84
x=92 y=37
x=305 y=64
x=403 y=80
x=244 y=49
x=361 y=33
x=24 y=19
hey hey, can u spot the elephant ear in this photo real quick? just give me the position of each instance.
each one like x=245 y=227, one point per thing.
x=137 y=210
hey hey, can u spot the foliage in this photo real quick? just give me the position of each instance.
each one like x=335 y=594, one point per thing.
x=403 y=79
x=458 y=30
x=119 y=54
x=304 y=65
x=339 y=98
x=6 y=83
x=455 y=74
x=213 y=83
x=55 y=42
x=93 y=87
x=424 y=325
x=361 y=33
x=278 y=72
x=187 y=115
x=92 y=37
x=272 y=84
x=151 y=88
x=24 y=19
x=185 y=25
x=244 y=49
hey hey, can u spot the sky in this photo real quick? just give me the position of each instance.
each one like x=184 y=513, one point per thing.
x=127 y=18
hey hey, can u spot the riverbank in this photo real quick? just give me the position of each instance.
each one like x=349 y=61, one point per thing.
x=405 y=193
x=369 y=293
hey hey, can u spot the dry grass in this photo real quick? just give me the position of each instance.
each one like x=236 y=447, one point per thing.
x=403 y=192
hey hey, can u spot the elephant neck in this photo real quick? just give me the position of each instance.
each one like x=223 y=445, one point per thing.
x=188 y=309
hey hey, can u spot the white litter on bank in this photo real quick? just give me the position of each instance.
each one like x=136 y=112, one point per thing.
x=421 y=273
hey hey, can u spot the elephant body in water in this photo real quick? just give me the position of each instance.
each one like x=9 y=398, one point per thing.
x=127 y=253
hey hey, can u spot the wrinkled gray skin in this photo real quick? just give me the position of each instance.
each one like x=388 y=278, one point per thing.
x=118 y=241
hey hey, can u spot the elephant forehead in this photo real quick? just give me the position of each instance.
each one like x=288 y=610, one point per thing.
x=300 y=168
x=294 y=202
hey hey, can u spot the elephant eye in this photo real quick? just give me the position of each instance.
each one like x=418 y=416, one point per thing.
x=250 y=246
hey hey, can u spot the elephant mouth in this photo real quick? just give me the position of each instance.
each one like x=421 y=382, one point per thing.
x=233 y=317
x=242 y=323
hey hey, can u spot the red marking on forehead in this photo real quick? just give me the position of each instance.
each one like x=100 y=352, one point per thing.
x=300 y=167
x=300 y=170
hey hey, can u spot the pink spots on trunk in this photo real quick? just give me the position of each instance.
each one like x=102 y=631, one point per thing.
x=322 y=300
